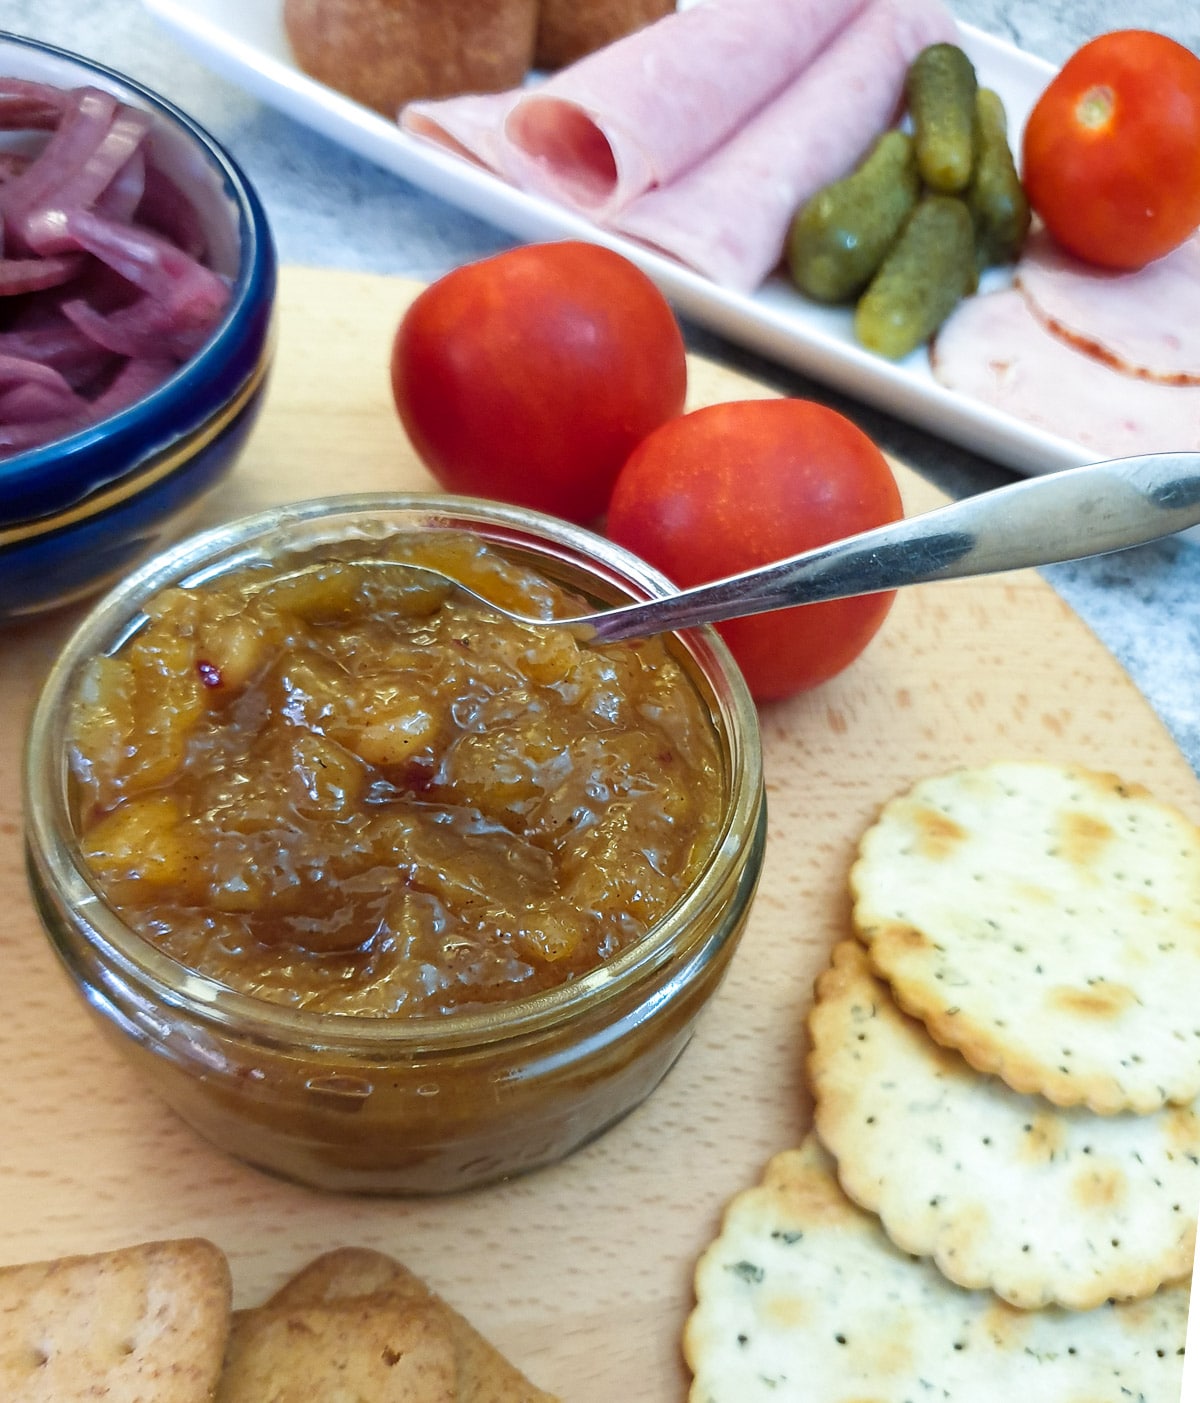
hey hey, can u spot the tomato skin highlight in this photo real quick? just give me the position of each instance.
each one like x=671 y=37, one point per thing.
x=530 y=376
x=732 y=486
x=1111 y=150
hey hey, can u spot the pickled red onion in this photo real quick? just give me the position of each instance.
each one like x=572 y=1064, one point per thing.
x=104 y=290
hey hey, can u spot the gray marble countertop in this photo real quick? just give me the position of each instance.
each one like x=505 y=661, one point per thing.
x=328 y=207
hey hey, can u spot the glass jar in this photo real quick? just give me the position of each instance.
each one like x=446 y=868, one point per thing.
x=394 y=1104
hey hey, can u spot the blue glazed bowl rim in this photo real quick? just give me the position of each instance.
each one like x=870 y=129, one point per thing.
x=174 y=402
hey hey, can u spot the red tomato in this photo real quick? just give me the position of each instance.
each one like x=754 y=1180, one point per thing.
x=531 y=376
x=1112 y=149
x=737 y=485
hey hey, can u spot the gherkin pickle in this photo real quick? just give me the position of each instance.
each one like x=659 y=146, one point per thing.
x=995 y=196
x=941 y=87
x=839 y=237
x=929 y=269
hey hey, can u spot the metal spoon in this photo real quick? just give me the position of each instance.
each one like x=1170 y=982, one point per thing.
x=1063 y=516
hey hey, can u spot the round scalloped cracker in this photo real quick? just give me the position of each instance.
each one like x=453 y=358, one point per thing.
x=1045 y=921
x=1040 y=1204
x=803 y=1299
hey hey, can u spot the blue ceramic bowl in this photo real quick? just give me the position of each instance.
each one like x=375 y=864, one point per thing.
x=76 y=513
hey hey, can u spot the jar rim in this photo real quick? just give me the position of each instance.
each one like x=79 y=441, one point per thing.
x=54 y=853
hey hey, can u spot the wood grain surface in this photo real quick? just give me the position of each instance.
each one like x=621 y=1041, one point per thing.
x=582 y=1272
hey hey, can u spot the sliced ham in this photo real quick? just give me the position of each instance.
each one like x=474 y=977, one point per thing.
x=728 y=216
x=1145 y=323
x=637 y=113
x=995 y=349
x=470 y=126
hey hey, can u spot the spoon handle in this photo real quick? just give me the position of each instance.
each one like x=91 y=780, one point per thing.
x=1063 y=516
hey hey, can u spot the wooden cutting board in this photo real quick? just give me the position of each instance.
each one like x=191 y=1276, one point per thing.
x=581 y=1272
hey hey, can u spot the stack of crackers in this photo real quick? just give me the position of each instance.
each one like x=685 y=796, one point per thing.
x=153 y=1324
x=999 y=1199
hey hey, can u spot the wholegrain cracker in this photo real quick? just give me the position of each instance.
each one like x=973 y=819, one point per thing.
x=1045 y=921
x=365 y=1350
x=803 y=1299
x=346 y=1272
x=1003 y=1191
x=484 y=1375
x=143 y=1324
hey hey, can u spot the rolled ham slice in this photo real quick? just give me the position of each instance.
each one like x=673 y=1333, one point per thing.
x=471 y=126
x=728 y=216
x=637 y=113
x=995 y=349
x=1144 y=323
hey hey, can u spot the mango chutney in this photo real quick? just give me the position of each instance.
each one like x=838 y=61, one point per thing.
x=351 y=789
x=376 y=892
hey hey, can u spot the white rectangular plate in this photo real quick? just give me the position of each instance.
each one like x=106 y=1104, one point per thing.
x=246 y=43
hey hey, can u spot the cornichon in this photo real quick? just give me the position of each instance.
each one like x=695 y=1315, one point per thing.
x=839 y=237
x=995 y=196
x=929 y=269
x=940 y=87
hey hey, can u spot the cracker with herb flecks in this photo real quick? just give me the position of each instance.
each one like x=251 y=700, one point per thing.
x=145 y=1324
x=803 y=1299
x=1041 y=1204
x=367 y=1350
x=1045 y=921
x=348 y=1273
